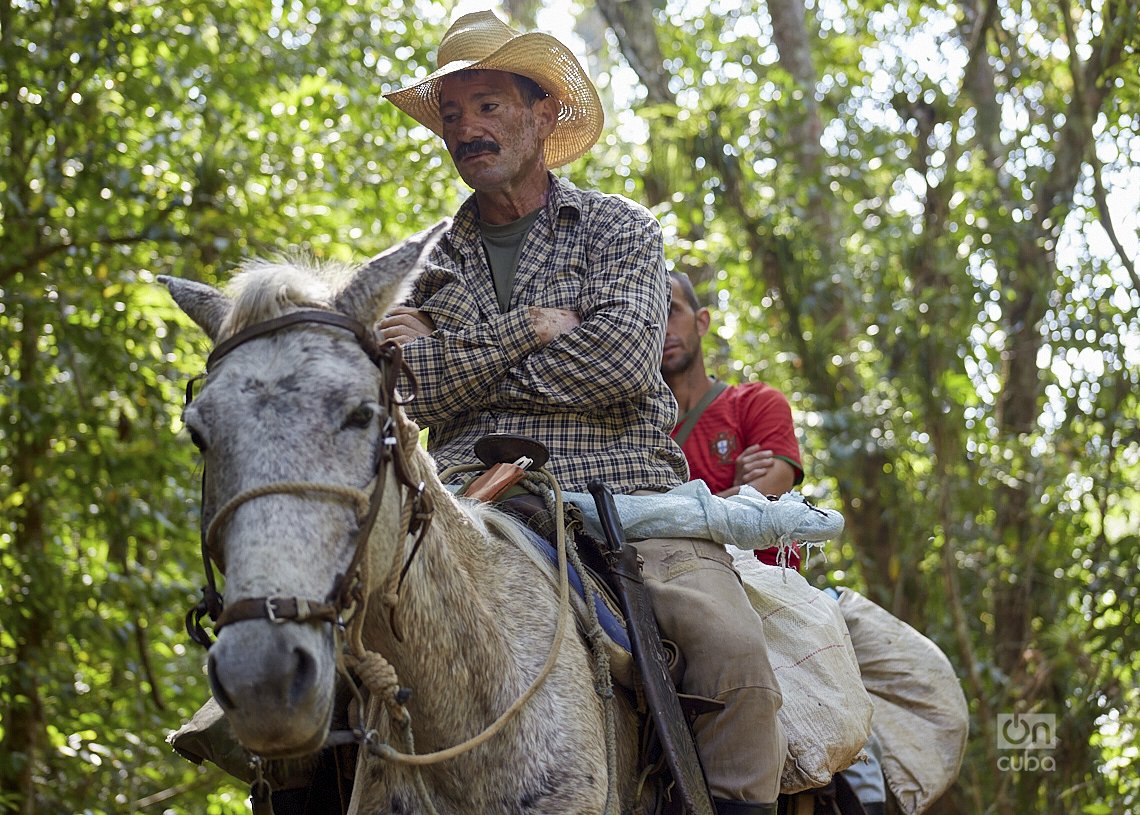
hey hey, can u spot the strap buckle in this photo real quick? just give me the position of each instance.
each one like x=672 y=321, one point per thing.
x=271 y=610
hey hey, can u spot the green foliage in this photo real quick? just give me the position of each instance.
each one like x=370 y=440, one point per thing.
x=143 y=139
x=961 y=353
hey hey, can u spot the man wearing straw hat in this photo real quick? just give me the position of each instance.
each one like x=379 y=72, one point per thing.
x=542 y=313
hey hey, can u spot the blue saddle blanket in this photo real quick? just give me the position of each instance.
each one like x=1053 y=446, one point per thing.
x=611 y=623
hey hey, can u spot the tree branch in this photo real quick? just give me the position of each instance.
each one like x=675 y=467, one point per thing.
x=978 y=80
x=637 y=37
x=148 y=670
x=1105 y=219
x=42 y=253
x=1075 y=136
x=209 y=778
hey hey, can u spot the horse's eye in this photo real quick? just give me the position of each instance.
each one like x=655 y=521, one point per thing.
x=197 y=440
x=361 y=416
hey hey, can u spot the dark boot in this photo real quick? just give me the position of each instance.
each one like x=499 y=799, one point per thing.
x=743 y=808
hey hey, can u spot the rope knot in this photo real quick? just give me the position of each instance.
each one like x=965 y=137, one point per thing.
x=378 y=676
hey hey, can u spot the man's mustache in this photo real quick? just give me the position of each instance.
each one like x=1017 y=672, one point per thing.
x=477 y=146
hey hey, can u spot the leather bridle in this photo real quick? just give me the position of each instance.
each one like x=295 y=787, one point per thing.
x=347 y=587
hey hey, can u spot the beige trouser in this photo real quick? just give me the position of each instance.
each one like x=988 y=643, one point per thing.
x=701 y=606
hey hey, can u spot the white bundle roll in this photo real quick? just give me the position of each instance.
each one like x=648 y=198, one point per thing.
x=745 y=521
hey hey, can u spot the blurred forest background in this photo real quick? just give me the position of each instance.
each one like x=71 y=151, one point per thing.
x=918 y=219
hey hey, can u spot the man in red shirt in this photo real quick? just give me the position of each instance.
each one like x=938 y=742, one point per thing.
x=734 y=435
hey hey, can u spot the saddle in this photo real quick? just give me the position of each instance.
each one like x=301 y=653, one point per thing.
x=613 y=567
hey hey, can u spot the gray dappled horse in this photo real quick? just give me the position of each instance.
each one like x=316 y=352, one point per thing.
x=312 y=471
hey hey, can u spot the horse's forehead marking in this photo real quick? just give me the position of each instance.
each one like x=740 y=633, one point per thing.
x=278 y=390
x=262 y=386
x=335 y=400
x=300 y=365
x=302 y=397
x=289 y=383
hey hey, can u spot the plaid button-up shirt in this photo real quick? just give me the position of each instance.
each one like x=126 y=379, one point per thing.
x=593 y=396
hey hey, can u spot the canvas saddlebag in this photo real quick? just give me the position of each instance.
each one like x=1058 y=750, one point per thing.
x=826 y=711
x=921 y=719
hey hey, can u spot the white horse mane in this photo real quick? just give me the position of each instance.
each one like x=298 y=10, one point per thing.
x=266 y=288
x=488 y=520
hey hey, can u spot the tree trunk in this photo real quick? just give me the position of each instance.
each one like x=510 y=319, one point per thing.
x=24 y=717
x=812 y=286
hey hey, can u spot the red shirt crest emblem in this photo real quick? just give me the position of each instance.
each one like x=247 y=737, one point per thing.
x=723 y=446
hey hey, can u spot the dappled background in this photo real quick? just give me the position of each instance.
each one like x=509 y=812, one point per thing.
x=918 y=219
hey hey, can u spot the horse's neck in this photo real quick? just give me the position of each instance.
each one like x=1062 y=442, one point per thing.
x=475 y=619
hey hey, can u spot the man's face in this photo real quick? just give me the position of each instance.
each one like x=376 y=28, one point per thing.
x=683 y=333
x=494 y=137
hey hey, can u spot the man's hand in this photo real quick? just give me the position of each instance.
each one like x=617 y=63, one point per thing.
x=752 y=464
x=405 y=324
x=762 y=471
x=550 y=323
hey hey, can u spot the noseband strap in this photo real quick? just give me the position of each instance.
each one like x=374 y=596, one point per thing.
x=277 y=610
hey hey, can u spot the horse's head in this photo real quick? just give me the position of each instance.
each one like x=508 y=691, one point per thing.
x=292 y=422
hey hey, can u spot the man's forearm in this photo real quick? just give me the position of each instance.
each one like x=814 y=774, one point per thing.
x=615 y=354
x=459 y=370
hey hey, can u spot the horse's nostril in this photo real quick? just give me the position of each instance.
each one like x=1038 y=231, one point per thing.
x=304 y=676
x=216 y=686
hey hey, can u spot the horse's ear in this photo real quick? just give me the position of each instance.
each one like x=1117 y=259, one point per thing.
x=204 y=304
x=387 y=278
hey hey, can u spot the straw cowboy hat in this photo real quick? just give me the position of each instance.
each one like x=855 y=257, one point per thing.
x=481 y=41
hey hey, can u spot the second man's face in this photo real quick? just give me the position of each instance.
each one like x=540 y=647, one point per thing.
x=682 y=333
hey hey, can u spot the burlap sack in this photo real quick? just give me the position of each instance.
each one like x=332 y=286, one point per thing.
x=826 y=712
x=921 y=718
